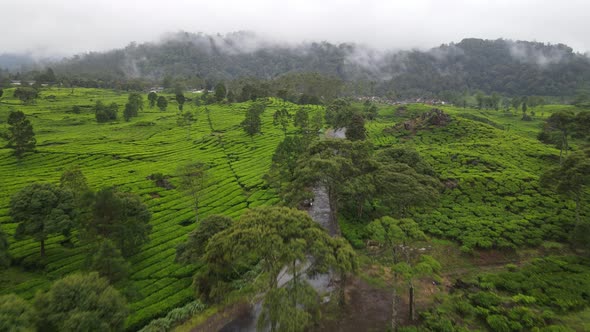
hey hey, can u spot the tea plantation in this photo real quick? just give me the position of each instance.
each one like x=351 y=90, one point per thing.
x=488 y=161
x=125 y=154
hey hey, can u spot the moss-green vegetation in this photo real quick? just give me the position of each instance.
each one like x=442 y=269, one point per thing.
x=535 y=297
x=126 y=154
x=488 y=161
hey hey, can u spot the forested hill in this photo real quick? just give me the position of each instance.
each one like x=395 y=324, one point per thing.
x=503 y=66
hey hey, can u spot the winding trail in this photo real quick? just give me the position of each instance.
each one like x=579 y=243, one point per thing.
x=321 y=213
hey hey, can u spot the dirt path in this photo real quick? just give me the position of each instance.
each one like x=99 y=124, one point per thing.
x=245 y=320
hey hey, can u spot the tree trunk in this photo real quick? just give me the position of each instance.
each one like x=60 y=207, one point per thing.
x=577 y=200
x=394 y=303
x=566 y=144
x=333 y=207
x=412 y=303
x=342 y=288
x=42 y=248
x=360 y=207
x=295 y=284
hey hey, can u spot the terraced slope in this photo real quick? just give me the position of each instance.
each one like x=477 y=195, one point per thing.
x=489 y=163
x=126 y=154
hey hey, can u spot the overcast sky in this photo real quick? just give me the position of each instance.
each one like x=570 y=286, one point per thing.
x=47 y=27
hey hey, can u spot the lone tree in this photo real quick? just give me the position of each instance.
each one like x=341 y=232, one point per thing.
x=561 y=123
x=162 y=103
x=26 y=94
x=81 y=302
x=152 y=97
x=180 y=99
x=120 y=217
x=281 y=118
x=220 y=92
x=129 y=112
x=252 y=122
x=1 y=92
x=42 y=209
x=133 y=106
x=21 y=136
x=193 y=179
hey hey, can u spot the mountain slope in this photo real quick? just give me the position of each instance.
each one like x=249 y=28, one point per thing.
x=504 y=66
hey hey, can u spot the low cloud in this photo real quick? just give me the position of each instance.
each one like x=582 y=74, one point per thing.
x=540 y=54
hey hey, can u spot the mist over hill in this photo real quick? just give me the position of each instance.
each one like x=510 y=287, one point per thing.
x=504 y=66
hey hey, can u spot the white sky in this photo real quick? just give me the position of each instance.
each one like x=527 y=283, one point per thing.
x=50 y=27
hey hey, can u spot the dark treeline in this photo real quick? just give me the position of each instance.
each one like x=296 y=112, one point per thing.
x=503 y=66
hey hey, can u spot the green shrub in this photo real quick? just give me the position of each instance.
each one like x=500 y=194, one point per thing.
x=498 y=323
x=485 y=299
x=174 y=317
x=511 y=267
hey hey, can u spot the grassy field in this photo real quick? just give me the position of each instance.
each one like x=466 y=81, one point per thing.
x=490 y=160
x=125 y=154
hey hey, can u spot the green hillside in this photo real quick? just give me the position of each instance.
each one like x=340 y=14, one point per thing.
x=125 y=154
x=488 y=161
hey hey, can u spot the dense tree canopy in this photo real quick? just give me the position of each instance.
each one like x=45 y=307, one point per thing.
x=281 y=237
x=4 y=254
x=318 y=70
x=355 y=130
x=194 y=248
x=105 y=113
x=120 y=217
x=26 y=94
x=108 y=261
x=16 y=314
x=81 y=302
x=42 y=209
